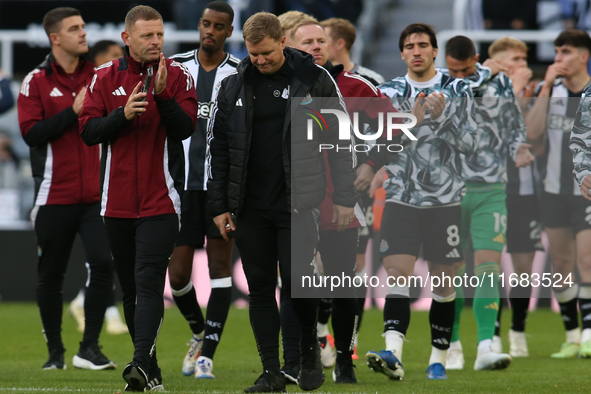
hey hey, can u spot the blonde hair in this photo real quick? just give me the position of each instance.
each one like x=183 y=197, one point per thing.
x=505 y=44
x=291 y=19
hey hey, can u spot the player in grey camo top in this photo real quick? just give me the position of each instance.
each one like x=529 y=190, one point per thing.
x=428 y=172
x=501 y=128
x=501 y=131
x=580 y=144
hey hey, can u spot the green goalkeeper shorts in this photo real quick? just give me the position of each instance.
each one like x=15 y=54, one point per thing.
x=484 y=216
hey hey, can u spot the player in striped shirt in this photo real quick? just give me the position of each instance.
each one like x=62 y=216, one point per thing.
x=524 y=236
x=208 y=65
x=565 y=212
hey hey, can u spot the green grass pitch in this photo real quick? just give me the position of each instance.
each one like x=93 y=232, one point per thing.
x=237 y=365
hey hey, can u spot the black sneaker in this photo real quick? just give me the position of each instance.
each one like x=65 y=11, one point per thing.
x=344 y=373
x=268 y=383
x=155 y=376
x=136 y=378
x=291 y=373
x=55 y=360
x=311 y=375
x=91 y=357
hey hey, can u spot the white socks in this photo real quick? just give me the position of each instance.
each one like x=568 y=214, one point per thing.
x=437 y=356
x=394 y=342
x=322 y=329
x=573 y=336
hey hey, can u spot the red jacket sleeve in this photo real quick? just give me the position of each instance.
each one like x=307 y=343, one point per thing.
x=177 y=104
x=371 y=104
x=35 y=129
x=96 y=126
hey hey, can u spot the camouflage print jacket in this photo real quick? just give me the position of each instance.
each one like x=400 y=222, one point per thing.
x=501 y=128
x=428 y=172
x=580 y=138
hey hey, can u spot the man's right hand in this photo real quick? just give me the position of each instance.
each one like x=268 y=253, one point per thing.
x=225 y=224
x=586 y=187
x=520 y=79
x=419 y=108
x=133 y=106
x=554 y=71
x=79 y=101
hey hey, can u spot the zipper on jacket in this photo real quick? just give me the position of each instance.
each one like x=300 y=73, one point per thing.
x=137 y=182
x=80 y=164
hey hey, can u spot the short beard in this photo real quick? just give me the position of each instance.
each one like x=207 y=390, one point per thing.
x=208 y=50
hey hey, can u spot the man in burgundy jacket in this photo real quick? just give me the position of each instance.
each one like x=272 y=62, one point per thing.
x=338 y=249
x=143 y=174
x=66 y=174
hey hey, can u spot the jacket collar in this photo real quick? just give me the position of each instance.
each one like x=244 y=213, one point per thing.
x=127 y=62
x=334 y=70
x=50 y=65
x=300 y=62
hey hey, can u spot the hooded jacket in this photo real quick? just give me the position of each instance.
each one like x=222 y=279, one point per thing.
x=230 y=131
x=142 y=170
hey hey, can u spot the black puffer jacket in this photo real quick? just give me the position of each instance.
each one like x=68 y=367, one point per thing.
x=230 y=131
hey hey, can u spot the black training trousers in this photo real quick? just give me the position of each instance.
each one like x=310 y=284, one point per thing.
x=264 y=238
x=56 y=227
x=141 y=249
x=338 y=251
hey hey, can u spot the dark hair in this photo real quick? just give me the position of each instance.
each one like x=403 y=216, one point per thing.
x=262 y=25
x=417 y=28
x=100 y=48
x=221 y=6
x=576 y=38
x=53 y=19
x=460 y=48
x=140 y=12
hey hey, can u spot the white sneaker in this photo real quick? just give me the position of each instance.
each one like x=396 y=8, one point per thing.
x=328 y=356
x=518 y=344
x=115 y=325
x=76 y=310
x=497 y=344
x=455 y=356
x=491 y=361
x=203 y=368
x=192 y=355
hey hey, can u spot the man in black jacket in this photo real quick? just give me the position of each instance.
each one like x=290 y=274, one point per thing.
x=272 y=182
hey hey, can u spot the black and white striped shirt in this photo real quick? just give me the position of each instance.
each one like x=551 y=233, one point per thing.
x=562 y=108
x=207 y=85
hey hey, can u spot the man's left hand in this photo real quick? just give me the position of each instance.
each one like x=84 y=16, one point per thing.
x=435 y=102
x=161 y=75
x=586 y=187
x=344 y=216
x=523 y=157
x=365 y=175
x=494 y=65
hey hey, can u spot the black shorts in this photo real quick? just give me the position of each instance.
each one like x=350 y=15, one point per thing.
x=523 y=224
x=559 y=211
x=196 y=220
x=405 y=229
